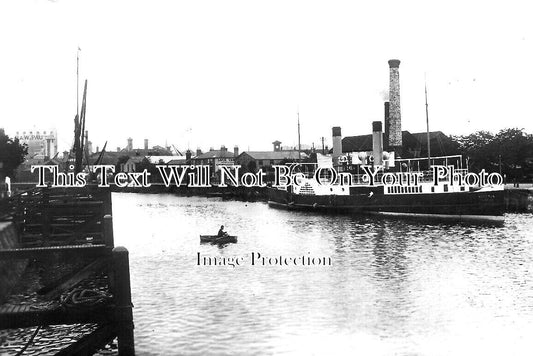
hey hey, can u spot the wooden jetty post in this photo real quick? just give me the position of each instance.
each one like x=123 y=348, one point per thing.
x=108 y=231
x=123 y=305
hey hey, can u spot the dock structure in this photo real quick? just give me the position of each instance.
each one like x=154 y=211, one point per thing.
x=519 y=198
x=59 y=265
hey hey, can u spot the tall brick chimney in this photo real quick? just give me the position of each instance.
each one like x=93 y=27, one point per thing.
x=130 y=144
x=145 y=143
x=236 y=151
x=395 y=116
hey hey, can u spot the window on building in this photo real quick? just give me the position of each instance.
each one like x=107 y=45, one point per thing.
x=260 y=162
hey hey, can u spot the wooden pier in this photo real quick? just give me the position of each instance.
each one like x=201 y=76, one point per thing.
x=64 y=239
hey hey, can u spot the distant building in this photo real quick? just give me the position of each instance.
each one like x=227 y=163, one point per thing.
x=131 y=164
x=215 y=158
x=252 y=161
x=146 y=151
x=41 y=143
x=164 y=159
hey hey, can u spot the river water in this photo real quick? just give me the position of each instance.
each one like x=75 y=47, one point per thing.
x=393 y=287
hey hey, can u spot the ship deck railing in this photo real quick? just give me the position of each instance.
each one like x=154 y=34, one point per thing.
x=423 y=177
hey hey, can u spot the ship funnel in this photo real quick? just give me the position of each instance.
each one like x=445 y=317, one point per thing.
x=377 y=143
x=337 y=145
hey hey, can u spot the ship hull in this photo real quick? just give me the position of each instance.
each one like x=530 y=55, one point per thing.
x=474 y=205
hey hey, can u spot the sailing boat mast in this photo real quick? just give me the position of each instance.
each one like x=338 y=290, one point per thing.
x=79 y=139
x=299 y=145
x=78 y=81
x=427 y=125
x=79 y=122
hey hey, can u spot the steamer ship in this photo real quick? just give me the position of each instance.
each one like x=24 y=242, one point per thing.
x=439 y=192
x=443 y=199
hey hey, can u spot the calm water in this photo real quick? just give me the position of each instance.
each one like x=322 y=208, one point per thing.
x=394 y=286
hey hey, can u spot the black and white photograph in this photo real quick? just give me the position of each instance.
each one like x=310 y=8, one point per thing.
x=266 y=178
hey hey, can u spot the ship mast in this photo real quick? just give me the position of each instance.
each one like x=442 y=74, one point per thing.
x=79 y=121
x=78 y=81
x=79 y=134
x=427 y=124
x=299 y=145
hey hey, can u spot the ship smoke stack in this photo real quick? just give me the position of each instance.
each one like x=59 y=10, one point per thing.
x=386 y=122
x=337 y=144
x=377 y=143
x=395 y=117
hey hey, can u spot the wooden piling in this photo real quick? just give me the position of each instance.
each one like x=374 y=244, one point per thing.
x=108 y=231
x=123 y=305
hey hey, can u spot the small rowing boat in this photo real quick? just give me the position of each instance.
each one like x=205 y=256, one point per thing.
x=218 y=239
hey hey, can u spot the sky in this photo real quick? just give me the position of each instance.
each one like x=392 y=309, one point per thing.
x=201 y=74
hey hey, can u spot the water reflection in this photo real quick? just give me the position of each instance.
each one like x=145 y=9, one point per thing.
x=394 y=286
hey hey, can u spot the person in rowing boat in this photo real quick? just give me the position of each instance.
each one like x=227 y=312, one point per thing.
x=221 y=232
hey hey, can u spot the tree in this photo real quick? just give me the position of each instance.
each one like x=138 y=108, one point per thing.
x=514 y=148
x=510 y=152
x=477 y=148
x=12 y=154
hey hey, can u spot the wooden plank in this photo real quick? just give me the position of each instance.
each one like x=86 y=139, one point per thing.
x=90 y=343
x=42 y=252
x=56 y=288
x=57 y=235
x=26 y=317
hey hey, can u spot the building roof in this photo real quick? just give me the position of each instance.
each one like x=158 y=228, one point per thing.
x=154 y=151
x=215 y=154
x=136 y=159
x=440 y=144
x=177 y=160
x=357 y=143
x=275 y=155
x=414 y=145
x=164 y=159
